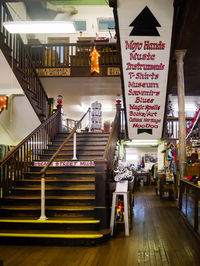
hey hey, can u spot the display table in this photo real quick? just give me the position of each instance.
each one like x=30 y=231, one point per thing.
x=189 y=205
x=145 y=176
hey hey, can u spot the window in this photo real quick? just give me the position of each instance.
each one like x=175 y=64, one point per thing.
x=105 y=24
x=80 y=25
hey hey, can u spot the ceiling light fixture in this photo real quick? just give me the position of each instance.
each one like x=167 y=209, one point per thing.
x=39 y=27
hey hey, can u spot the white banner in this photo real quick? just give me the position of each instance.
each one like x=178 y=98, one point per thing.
x=145 y=34
x=66 y=163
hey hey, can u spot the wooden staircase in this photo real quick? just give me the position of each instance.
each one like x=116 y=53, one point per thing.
x=70 y=198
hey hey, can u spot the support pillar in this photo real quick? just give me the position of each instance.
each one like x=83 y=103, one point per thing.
x=181 y=106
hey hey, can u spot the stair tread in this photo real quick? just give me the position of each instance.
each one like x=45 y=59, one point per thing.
x=71 y=153
x=71 y=144
x=81 y=197
x=50 y=221
x=66 y=173
x=55 y=208
x=91 y=179
x=78 y=187
x=78 y=149
x=54 y=234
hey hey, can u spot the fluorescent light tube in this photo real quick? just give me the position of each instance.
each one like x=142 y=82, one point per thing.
x=40 y=27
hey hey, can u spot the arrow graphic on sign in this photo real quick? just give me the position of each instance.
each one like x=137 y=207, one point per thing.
x=145 y=24
x=145 y=130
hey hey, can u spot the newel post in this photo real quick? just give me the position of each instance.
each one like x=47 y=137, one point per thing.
x=59 y=108
x=118 y=110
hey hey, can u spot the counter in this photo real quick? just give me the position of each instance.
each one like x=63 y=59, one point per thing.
x=189 y=205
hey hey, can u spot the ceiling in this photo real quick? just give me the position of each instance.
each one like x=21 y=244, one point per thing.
x=79 y=93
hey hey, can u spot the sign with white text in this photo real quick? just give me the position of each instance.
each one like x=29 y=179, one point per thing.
x=66 y=163
x=145 y=34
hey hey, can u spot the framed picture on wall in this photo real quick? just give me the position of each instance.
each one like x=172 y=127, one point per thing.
x=151 y=158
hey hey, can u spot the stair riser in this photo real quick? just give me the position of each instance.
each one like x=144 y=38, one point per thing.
x=49 y=202
x=85 y=135
x=53 y=192
x=81 y=142
x=63 y=169
x=79 y=151
x=59 y=175
x=38 y=226
x=55 y=183
x=69 y=157
x=79 y=147
x=49 y=213
x=53 y=241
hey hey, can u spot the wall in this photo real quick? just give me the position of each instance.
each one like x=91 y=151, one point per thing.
x=90 y=14
x=18 y=12
x=132 y=152
x=18 y=121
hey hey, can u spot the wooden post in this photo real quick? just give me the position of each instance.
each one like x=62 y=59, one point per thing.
x=181 y=105
x=101 y=193
x=43 y=216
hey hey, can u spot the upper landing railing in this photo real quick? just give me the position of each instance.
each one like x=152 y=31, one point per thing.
x=76 y=57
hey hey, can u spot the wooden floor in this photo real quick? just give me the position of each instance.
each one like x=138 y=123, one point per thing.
x=158 y=237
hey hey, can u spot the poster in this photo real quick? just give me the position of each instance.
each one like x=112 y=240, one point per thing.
x=145 y=29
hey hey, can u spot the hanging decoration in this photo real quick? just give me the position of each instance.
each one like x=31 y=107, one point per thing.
x=94 y=61
x=189 y=131
x=3 y=103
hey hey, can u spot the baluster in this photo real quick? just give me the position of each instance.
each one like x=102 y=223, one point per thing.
x=74 y=147
x=43 y=216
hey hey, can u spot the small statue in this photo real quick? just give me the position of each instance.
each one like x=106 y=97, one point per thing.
x=123 y=173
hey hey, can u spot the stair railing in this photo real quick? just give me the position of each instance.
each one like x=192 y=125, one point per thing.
x=18 y=57
x=45 y=168
x=18 y=160
x=118 y=128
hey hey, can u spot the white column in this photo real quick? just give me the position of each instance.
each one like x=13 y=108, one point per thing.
x=181 y=106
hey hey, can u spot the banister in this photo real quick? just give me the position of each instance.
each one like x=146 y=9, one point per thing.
x=12 y=152
x=113 y=130
x=44 y=169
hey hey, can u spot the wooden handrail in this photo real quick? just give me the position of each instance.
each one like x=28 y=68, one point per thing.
x=44 y=169
x=12 y=152
x=114 y=136
x=113 y=130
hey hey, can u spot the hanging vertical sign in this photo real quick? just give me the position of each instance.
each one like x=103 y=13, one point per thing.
x=145 y=34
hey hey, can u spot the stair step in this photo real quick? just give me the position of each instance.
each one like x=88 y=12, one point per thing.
x=82 y=148
x=60 y=174
x=71 y=153
x=72 y=187
x=69 y=197
x=65 y=173
x=69 y=156
x=65 y=237
x=88 y=134
x=53 y=181
x=54 y=208
x=49 y=221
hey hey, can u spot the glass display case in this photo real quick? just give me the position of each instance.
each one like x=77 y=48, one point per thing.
x=189 y=204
